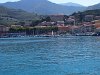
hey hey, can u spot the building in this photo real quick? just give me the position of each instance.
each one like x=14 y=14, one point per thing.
x=60 y=23
x=87 y=28
x=63 y=29
x=56 y=18
x=16 y=26
x=46 y=23
x=3 y=30
x=74 y=29
x=70 y=21
x=97 y=17
x=97 y=23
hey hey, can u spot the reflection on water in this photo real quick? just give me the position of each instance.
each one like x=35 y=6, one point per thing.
x=50 y=56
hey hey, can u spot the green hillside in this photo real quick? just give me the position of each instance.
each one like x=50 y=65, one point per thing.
x=13 y=16
x=81 y=15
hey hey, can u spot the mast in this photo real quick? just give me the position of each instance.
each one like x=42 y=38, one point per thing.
x=52 y=33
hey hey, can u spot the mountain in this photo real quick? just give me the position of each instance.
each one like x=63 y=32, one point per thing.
x=72 y=4
x=10 y=16
x=43 y=7
x=96 y=6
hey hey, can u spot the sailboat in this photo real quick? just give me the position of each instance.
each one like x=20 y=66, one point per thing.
x=52 y=33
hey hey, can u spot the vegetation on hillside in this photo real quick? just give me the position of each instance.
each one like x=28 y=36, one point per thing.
x=81 y=15
x=16 y=16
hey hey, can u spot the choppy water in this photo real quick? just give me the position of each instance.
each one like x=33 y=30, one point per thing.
x=50 y=56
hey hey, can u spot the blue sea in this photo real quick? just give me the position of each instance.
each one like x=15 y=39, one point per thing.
x=70 y=55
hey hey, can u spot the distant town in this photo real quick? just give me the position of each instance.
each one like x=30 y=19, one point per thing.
x=45 y=18
x=75 y=24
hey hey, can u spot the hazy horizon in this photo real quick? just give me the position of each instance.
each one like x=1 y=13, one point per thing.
x=84 y=3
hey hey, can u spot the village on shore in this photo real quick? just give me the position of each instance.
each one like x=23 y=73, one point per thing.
x=55 y=25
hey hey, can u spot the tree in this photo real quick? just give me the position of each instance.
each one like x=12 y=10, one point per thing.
x=35 y=23
x=21 y=23
x=47 y=19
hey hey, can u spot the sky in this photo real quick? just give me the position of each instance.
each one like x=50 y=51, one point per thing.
x=82 y=2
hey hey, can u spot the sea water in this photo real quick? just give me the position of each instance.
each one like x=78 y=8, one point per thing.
x=70 y=55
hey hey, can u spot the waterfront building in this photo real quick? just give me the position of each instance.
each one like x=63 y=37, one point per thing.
x=97 y=29
x=87 y=28
x=63 y=29
x=3 y=30
x=74 y=29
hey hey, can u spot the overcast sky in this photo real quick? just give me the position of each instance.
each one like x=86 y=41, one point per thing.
x=82 y=2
